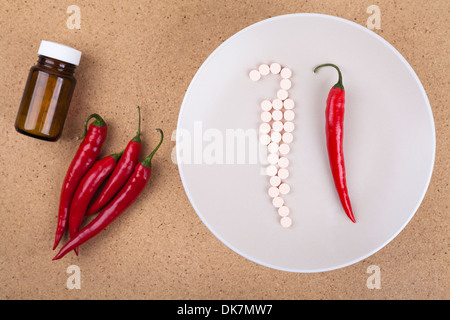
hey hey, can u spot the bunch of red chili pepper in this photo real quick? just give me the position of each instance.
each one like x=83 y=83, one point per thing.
x=125 y=179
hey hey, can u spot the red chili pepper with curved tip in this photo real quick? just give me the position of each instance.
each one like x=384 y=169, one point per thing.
x=89 y=184
x=124 y=198
x=85 y=157
x=335 y=136
x=121 y=173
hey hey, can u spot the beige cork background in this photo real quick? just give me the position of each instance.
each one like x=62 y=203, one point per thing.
x=146 y=53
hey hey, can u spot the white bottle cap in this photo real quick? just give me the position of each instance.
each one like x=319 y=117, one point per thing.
x=59 y=52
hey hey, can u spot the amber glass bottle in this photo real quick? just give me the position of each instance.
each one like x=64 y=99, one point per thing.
x=48 y=92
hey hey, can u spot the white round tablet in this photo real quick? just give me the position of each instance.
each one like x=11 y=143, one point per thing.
x=275 y=181
x=284 y=148
x=284 y=188
x=288 y=137
x=289 y=115
x=277 y=202
x=277 y=104
x=286 y=73
x=277 y=115
x=282 y=94
x=275 y=68
x=272 y=158
x=283 y=162
x=264 y=127
x=289 y=126
x=271 y=170
x=283 y=211
x=266 y=105
x=275 y=136
x=283 y=173
x=264 y=69
x=286 y=222
x=285 y=84
x=255 y=75
x=289 y=104
x=265 y=139
x=273 y=147
x=274 y=192
x=266 y=116
x=277 y=126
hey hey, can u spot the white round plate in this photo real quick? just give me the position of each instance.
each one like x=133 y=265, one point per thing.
x=389 y=143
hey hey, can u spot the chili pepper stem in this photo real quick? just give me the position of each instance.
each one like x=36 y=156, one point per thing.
x=339 y=84
x=99 y=122
x=147 y=162
x=137 y=138
x=116 y=156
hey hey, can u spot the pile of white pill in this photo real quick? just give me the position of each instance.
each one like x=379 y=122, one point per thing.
x=277 y=117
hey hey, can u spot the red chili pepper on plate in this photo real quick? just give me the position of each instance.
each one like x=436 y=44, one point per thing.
x=89 y=184
x=124 y=198
x=85 y=157
x=121 y=173
x=335 y=136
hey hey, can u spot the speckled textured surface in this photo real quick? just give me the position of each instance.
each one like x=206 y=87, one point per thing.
x=146 y=53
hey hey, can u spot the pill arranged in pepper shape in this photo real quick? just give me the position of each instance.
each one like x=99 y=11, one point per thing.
x=289 y=115
x=276 y=134
x=255 y=75
x=283 y=173
x=273 y=158
x=271 y=170
x=278 y=202
x=277 y=104
x=264 y=128
x=285 y=84
x=284 y=149
x=264 y=69
x=275 y=68
x=286 y=73
x=273 y=147
x=286 y=222
x=266 y=105
x=275 y=181
x=283 y=211
x=265 y=139
x=274 y=192
x=277 y=115
x=284 y=188
x=266 y=116
x=288 y=137
x=282 y=94
x=289 y=126
x=277 y=126
x=283 y=162
x=289 y=104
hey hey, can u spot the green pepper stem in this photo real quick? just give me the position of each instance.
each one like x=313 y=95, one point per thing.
x=147 y=162
x=116 y=156
x=339 y=84
x=137 y=138
x=99 y=122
